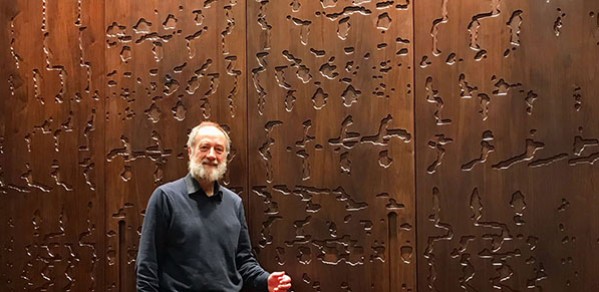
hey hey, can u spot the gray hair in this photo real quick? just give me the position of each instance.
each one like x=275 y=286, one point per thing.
x=196 y=129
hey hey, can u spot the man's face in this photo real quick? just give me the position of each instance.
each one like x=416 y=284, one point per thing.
x=208 y=155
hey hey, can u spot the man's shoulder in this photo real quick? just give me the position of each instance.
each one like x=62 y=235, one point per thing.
x=228 y=193
x=173 y=187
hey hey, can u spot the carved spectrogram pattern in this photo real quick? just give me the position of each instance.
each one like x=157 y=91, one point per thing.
x=96 y=113
x=506 y=143
x=343 y=113
x=168 y=67
x=50 y=142
x=331 y=142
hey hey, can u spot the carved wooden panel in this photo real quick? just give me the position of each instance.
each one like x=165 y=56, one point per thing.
x=506 y=142
x=51 y=146
x=350 y=120
x=169 y=66
x=76 y=175
x=330 y=148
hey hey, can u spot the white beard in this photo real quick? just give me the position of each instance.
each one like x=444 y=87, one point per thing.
x=204 y=172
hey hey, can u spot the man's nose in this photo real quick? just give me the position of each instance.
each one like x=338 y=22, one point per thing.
x=211 y=153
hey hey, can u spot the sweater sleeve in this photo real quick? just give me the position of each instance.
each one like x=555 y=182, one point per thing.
x=151 y=244
x=254 y=276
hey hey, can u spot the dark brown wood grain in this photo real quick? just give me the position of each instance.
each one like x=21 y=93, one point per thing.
x=503 y=113
x=169 y=69
x=377 y=145
x=330 y=110
x=52 y=146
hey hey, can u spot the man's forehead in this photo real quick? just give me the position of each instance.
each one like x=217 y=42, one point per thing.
x=210 y=132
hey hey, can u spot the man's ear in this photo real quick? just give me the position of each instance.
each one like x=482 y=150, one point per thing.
x=189 y=151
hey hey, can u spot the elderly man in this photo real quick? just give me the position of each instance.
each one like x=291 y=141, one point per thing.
x=194 y=236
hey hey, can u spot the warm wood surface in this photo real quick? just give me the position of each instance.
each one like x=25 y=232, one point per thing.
x=378 y=145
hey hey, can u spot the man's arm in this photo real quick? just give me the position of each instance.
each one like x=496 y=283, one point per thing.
x=254 y=276
x=151 y=244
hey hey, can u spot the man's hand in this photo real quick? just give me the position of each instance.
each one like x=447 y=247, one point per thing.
x=278 y=282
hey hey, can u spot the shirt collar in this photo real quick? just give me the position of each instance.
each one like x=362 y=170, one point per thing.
x=193 y=187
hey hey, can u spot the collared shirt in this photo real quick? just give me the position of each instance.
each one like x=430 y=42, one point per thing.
x=192 y=242
x=193 y=187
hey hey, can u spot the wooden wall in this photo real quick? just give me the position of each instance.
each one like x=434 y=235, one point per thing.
x=330 y=111
x=506 y=141
x=378 y=145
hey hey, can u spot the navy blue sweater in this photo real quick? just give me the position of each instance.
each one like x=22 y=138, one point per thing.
x=192 y=242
